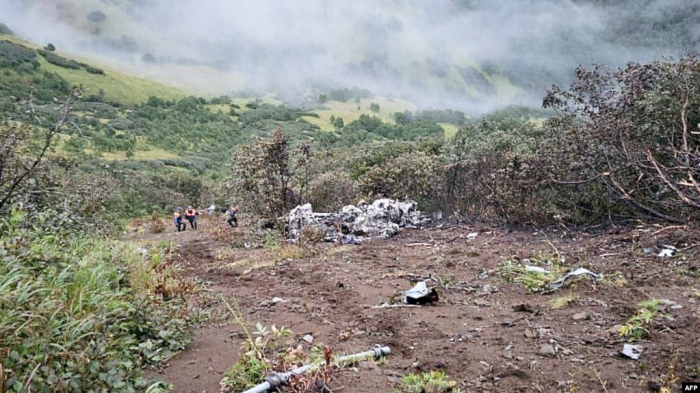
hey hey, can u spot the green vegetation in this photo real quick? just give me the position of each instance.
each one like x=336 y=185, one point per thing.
x=80 y=313
x=429 y=382
x=640 y=325
x=534 y=273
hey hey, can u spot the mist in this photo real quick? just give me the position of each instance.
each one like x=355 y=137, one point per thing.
x=473 y=55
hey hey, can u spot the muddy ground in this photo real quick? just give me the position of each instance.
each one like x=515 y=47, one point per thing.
x=478 y=332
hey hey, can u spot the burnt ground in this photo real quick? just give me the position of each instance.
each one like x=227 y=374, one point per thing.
x=474 y=332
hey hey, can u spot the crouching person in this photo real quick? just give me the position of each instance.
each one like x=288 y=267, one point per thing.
x=177 y=220
x=191 y=216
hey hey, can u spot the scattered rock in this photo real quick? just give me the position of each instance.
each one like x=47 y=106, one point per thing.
x=615 y=330
x=308 y=338
x=547 y=350
x=507 y=322
x=523 y=307
x=529 y=333
x=580 y=316
x=276 y=300
x=481 y=303
x=508 y=353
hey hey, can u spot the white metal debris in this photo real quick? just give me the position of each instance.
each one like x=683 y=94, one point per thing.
x=350 y=225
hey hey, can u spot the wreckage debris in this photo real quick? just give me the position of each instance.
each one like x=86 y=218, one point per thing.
x=420 y=295
x=352 y=224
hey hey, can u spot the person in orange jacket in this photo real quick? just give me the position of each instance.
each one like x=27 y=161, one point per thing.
x=177 y=220
x=191 y=216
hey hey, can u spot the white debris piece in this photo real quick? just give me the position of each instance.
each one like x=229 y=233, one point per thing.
x=631 y=351
x=536 y=269
x=574 y=273
x=667 y=251
x=472 y=235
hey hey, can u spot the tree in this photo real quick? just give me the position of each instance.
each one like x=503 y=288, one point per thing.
x=628 y=136
x=17 y=168
x=374 y=107
x=97 y=16
x=50 y=47
x=338 y=123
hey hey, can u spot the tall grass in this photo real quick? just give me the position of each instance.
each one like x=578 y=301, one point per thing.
x=71 y=318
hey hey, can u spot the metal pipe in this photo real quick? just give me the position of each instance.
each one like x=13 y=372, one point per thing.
x=279 y=379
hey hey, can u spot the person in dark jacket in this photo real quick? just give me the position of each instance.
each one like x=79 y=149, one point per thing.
x=232 y=212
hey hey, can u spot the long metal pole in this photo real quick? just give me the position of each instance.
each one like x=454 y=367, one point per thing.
x=279 y=379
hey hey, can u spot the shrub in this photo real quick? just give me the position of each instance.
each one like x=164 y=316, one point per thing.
x=80 y=314
x=331 y=190
x=59 y=61
x=97 y=16
x=13 y=55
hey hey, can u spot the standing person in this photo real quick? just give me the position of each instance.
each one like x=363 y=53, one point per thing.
x=191 y=216
x=177 y=220
x=232 y=212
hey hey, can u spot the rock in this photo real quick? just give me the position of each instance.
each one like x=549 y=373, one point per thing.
x=522 y=308
x=615 y=330
x=276 y=300
x=481 y=303
x=529 y=333
x=508 y=353
x=547 y=350
x=507 y=322
x=580 y=316
x=308 y=338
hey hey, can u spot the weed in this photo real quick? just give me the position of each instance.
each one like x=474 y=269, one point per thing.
x=563 y=301
x=535 y=273
x=112 y=311
x=640 y=325
x=429 y=382
x=156 y=225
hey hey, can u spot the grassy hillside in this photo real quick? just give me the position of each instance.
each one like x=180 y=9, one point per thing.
x=117 y=86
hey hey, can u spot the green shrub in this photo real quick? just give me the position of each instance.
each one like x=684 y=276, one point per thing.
x=59 y=61
x=13 y=55
x=80 y=314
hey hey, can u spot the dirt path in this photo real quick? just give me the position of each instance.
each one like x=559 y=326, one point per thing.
x=479 y=332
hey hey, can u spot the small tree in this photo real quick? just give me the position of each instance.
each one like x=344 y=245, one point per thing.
x=338 y=123
x=50 y=47
x=374 y=107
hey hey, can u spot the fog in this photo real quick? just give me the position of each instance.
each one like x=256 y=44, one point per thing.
x=424 y=51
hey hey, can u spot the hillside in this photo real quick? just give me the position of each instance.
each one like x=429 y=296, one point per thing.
x=452 y=59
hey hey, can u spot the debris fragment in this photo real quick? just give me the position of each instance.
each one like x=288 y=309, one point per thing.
x=536 y=269
x=631 y=351
x=667 y=251
x=575 y=273
x=308 y=338
x=420 y=294
x=472 y=235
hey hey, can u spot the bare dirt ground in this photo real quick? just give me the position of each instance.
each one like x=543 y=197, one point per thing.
x=478 y=332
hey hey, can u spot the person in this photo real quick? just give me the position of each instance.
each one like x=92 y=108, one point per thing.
x=232 y=212
x=191 y=216
x=177 y=220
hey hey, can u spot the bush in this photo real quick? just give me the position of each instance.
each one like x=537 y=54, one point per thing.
x=81 y=314
x=13 y=55
x=330 y=191
x=97 y=16
x=59 y=61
